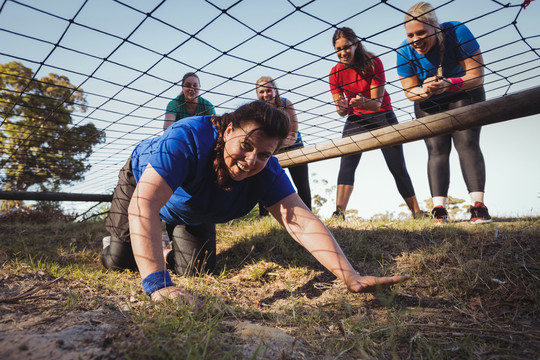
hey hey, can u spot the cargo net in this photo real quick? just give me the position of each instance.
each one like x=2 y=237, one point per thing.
x=125 y=60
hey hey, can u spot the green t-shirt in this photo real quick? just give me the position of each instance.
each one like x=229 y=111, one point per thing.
x=177 y=106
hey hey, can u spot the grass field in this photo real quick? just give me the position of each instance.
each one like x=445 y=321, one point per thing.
x=474 y=294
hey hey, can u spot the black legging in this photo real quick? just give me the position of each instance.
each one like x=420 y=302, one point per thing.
x=300 y=178
x=194 y=246
x=467 y=143
x=393 y=155
x=193 y=250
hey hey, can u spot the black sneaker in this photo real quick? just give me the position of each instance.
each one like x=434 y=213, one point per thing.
x=439 y=214
x=479 y=213
x=338 y=215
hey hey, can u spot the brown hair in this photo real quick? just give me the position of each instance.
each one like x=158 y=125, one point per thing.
x=273 y=122
x=190 y=74
x=362 y=58
x=187 y=75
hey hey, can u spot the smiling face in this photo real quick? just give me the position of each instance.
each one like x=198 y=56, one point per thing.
x=246 y=155
x=345 y=50
x=420 y=36
x=190 y=88
x=266 y=93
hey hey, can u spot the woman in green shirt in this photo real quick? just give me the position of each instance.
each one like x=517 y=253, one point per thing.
x=188 y=103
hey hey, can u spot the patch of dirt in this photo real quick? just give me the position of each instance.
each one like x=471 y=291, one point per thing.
x=46 y=318
x=38 y=322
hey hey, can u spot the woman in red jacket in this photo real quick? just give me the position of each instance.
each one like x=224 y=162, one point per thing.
x=357 y=87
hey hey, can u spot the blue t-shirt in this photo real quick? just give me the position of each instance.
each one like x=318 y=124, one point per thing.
x=459 y=44
x=183 y=156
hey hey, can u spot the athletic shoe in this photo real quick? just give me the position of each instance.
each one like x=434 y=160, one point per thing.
x=439 y=214
x=106 y=241
x=338 y=215
x=479 y=213
x=421 y=215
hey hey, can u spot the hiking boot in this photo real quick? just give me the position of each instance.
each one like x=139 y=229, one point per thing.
x=338 y=215
x=439 y=214
x=479 y=213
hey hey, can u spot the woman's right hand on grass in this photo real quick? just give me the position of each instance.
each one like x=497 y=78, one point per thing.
x=172 y=293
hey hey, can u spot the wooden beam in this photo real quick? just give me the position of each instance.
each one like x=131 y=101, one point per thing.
x=513 y=106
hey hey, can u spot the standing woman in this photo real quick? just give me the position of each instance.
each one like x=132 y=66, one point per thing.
x=357 y=87
x=441 y=68
x=202 y=171
x=267 y=91
x=188 y=103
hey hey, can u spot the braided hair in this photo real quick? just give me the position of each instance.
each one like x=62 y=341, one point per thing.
x=273 y=122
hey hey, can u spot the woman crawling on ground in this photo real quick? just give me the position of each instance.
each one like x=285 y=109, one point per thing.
x=207 y=170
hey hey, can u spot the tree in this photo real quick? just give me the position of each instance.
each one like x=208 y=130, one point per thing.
x=39 y=145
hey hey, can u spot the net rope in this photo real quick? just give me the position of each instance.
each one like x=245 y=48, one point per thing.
x=130 y=65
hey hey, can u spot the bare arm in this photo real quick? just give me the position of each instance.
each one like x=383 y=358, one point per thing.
x=413 y=90
x=312 y=234
x=473 y=78
x=291 y=139
x=151 y=193
x=169 y=120
x=474 y=71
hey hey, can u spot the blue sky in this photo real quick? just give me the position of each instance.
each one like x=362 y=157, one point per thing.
x=116 y=53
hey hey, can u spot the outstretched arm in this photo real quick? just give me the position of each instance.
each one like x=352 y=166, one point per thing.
x=151 y=193
x=312 y=234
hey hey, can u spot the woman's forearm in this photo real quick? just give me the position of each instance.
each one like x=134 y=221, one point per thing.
x=417 y=94
x=151 y=193
x=318 y=240
x=145 y=234
x=313 y=235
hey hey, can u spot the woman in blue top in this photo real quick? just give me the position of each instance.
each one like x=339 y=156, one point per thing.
x=205 y=170
x=267 y=91
x=441 y=68
x=188 y=103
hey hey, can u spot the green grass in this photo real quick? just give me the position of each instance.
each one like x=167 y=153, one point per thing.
x=474 y=291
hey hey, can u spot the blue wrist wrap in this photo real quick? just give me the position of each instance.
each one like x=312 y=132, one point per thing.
x=156 y=280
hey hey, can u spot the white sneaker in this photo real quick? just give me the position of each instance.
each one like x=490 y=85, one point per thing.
x=106 y=241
